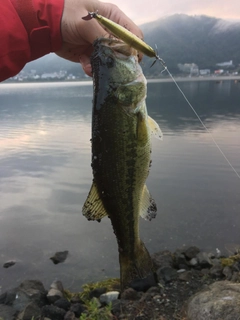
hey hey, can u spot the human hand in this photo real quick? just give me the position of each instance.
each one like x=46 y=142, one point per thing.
x=78 y=35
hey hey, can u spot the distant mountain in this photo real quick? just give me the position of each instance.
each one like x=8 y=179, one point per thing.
x=202 y=40
x=180 y=38
x=52 y=63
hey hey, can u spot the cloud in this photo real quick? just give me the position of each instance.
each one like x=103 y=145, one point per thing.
x=144 y=11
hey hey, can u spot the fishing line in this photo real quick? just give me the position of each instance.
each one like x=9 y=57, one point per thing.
x=135 y=42
x=196 y=114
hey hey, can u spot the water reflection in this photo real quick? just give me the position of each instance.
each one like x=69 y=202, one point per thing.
x=45 y=176
x=167 y=104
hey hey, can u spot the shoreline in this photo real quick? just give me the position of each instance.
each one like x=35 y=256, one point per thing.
x=185 y=277
x=149 y=80
x=189 y=79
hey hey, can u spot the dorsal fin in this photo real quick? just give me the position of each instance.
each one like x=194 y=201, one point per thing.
x=93 y=208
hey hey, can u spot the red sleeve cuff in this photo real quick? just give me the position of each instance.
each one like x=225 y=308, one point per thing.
x=42 y=21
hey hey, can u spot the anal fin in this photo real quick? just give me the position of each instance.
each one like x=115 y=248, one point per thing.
x=148 y=207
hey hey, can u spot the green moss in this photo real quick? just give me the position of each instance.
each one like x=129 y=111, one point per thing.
x=94 y=313
x=110 y=284
x=227 y=262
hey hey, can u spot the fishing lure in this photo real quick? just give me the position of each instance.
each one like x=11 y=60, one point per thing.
x=125 y=35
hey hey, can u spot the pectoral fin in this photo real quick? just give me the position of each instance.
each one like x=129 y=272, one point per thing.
x=155 y=129
x=142 y=132
x=93 y=208
x=148 y=208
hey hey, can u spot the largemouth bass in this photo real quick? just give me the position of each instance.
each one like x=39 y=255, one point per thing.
x=121 y=148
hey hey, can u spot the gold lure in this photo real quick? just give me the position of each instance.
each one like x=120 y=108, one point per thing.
x=125 y=35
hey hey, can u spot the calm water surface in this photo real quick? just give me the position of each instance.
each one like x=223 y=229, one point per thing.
x=45 y=176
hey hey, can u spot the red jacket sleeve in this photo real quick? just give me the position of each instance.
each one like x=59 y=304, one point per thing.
x=29 y=30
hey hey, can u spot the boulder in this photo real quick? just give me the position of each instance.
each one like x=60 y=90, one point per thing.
x=163 y=259
x=78 y=309
x=7 y=312
x=129 y=294
x=54 y=295
x=30 y=311
x=180 y=261
x=57 y=285
x=28 y=291
x=191 y=252
x=221 y=300
x=145 y=283
x=53 y=312
x=63 y=303
x=97 y=292
x=168 y=274
x=56 y=291
x=204 y=260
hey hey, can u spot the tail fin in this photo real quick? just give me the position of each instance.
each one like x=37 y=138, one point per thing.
x=137 y=271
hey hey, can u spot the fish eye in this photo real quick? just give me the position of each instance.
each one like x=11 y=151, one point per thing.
x=110 y=62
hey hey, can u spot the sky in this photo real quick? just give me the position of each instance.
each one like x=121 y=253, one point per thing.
x=142 y=11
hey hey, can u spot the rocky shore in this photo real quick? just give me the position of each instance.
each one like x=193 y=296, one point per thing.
x=192 y=285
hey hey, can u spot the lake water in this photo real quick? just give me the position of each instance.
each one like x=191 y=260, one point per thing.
x=45 y=176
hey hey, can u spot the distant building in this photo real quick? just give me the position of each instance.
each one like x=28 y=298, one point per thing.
x=204 y=72
x=190 y=68
x=218 y=72
x=49 y=75
x=225 y=64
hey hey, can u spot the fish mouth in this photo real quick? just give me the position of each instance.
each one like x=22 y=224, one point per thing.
x=119 y=48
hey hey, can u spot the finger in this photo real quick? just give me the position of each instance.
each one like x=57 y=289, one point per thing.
x=86 y=64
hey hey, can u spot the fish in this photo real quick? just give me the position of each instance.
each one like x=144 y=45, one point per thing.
x=121 y=154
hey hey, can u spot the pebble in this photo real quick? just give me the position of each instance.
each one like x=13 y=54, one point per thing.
x=54 y=295
x=191 y=252
x=57 y=285
x=9 y=264
x=193 y=262
x=129 y=294
x=181 y=270
x=109 y=297
x=144 y=284
x=63 y=303
x=53 y=312
x=69 y=316
x=77 y=309
x=227 y=272
x=185 y=276
x=168 y=274
x=97 y=292
x=204 y=260
x=59 y=257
